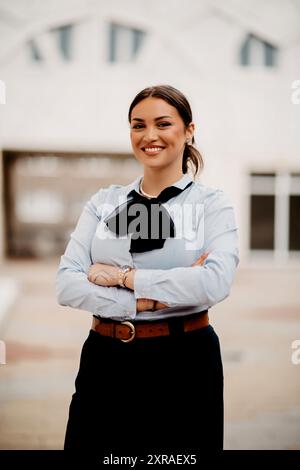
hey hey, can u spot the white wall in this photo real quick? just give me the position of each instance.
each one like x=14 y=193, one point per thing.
x=244 y=117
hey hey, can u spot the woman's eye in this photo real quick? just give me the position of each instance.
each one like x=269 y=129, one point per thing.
x=162 y=124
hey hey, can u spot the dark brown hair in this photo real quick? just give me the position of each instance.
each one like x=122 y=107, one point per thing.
x=175 y=98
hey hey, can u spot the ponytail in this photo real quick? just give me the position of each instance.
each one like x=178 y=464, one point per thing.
x=193 y=158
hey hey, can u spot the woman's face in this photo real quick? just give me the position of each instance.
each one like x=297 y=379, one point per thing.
x=157 y=125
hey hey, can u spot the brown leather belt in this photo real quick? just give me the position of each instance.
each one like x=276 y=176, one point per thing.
x=126 y=331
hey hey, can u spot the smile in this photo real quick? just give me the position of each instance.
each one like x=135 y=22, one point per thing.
x=152 y=150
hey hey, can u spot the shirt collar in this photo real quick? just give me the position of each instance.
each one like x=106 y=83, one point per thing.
x=181 y=183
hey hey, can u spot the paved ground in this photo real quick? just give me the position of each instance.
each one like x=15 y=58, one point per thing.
x=256 y=326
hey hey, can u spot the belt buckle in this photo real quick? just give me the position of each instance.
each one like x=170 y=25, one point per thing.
x=132 y=328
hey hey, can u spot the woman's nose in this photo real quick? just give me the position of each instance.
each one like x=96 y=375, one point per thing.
x=150 y=134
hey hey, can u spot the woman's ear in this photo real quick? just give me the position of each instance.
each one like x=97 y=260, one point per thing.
x=190 y=131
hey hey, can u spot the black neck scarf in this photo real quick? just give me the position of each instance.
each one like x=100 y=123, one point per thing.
x=123 y=221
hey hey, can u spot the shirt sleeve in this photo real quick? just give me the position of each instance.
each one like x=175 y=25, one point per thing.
x=73 y=288
x=201 y=286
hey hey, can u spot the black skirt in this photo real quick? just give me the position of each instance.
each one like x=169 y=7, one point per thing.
x=150 y=394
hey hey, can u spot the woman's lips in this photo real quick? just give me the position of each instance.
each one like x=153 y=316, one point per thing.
x=155 y=151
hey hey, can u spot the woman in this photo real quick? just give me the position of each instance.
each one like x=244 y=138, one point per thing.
x=148 y=260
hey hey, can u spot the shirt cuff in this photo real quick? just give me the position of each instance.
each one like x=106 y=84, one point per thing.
x=142 y=283
x=123 y=309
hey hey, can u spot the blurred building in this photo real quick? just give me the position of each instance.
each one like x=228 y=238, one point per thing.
x=69 y=70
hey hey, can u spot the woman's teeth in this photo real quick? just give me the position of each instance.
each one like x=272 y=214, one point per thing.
x=153 y=149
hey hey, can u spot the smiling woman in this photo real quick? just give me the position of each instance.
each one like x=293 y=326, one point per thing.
x=160 y=129
x=150 y=374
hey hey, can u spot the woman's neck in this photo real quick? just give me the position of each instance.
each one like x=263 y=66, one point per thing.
x=154 y=184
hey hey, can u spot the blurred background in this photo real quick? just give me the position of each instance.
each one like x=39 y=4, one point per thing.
x=69 y=70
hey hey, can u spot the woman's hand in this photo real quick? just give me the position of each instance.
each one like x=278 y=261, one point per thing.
x=160 y=305
x=148 y=304
x=103 y=275
x=144 y=304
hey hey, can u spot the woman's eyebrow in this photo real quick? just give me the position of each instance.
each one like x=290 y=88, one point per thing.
x=156 y=119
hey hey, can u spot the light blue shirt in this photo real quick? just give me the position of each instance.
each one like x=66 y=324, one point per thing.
x=204 y=222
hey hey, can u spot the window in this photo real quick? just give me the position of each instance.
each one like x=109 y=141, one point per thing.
x=41 y=205
x=255 y=51
x=262 y=213
x=63 y=36
x=262 y=222
x=57 y=42
x=35 y=53
x=124 y=43
x=294 y=213
x=275 y=212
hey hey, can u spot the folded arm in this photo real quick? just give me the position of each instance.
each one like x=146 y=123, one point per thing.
x=202 y=286
x=149 y=304
x=72 y=285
